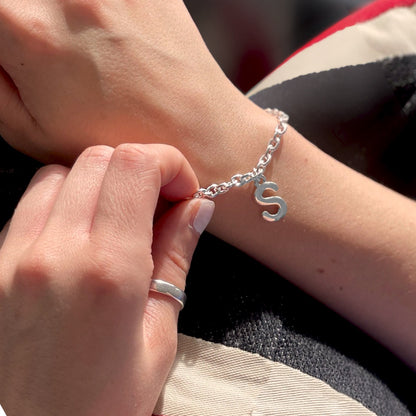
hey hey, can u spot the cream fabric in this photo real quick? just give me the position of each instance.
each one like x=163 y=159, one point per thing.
x=210 y=379
x=389 y=35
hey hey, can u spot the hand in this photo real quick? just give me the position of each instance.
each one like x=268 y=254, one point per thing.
x=81 y=72
x=80 y=332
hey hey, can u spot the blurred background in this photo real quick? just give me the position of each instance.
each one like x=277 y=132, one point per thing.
x=250 y=38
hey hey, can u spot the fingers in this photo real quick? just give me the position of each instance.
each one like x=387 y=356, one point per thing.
x=29 y=218
x=110 y=195
x=108 y=200
x=129 y=194
x=175 y=237
x=55 y=213
x=74 y=209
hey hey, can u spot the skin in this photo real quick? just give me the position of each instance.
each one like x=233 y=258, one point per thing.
x=81 y=333
x=105 y=72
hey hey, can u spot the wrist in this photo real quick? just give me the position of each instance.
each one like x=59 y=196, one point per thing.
x=226 y=137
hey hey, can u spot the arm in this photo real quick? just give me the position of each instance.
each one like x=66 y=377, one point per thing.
x=346 y=240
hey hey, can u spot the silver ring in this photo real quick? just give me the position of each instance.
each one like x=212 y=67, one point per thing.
x=166 y=288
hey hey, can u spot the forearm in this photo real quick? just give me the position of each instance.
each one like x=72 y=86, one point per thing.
x=346 y=240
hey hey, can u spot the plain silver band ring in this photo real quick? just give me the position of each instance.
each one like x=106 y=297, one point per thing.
x=166 y=288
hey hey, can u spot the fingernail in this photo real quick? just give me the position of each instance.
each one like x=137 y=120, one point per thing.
x=203 y=215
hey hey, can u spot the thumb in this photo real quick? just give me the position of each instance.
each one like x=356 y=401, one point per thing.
x=176 y=235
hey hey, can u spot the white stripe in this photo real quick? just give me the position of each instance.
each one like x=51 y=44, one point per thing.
x=391 y=34
x=2 y=412
x=210 y=380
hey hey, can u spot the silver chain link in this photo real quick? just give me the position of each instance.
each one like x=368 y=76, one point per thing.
x=257 y=173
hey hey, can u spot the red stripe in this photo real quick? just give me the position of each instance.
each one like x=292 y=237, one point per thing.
x=371 y=11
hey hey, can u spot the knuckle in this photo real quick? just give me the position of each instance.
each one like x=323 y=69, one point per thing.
x=39 y=35
x=51 y=172
x=84 y=5
x=99 y=152
x=37 y=267
x=172 y=149
x=132 y=150
x=99 y=282
x=30 y=29
x=104 y=272
x=84 y=12
x=50 y=177
x=137 y=155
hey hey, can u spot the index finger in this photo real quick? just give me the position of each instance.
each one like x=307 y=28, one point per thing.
x=135 y=177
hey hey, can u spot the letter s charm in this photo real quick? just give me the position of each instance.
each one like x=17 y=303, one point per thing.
x=271 y=200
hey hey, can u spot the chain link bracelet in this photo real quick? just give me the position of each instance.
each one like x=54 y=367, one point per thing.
x=256 y=175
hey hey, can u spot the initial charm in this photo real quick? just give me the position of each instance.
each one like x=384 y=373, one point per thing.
x=270 y=200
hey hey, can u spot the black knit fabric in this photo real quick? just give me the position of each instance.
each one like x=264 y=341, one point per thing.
x=401 y=75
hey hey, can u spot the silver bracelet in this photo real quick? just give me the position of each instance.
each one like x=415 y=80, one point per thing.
x=256 y=175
